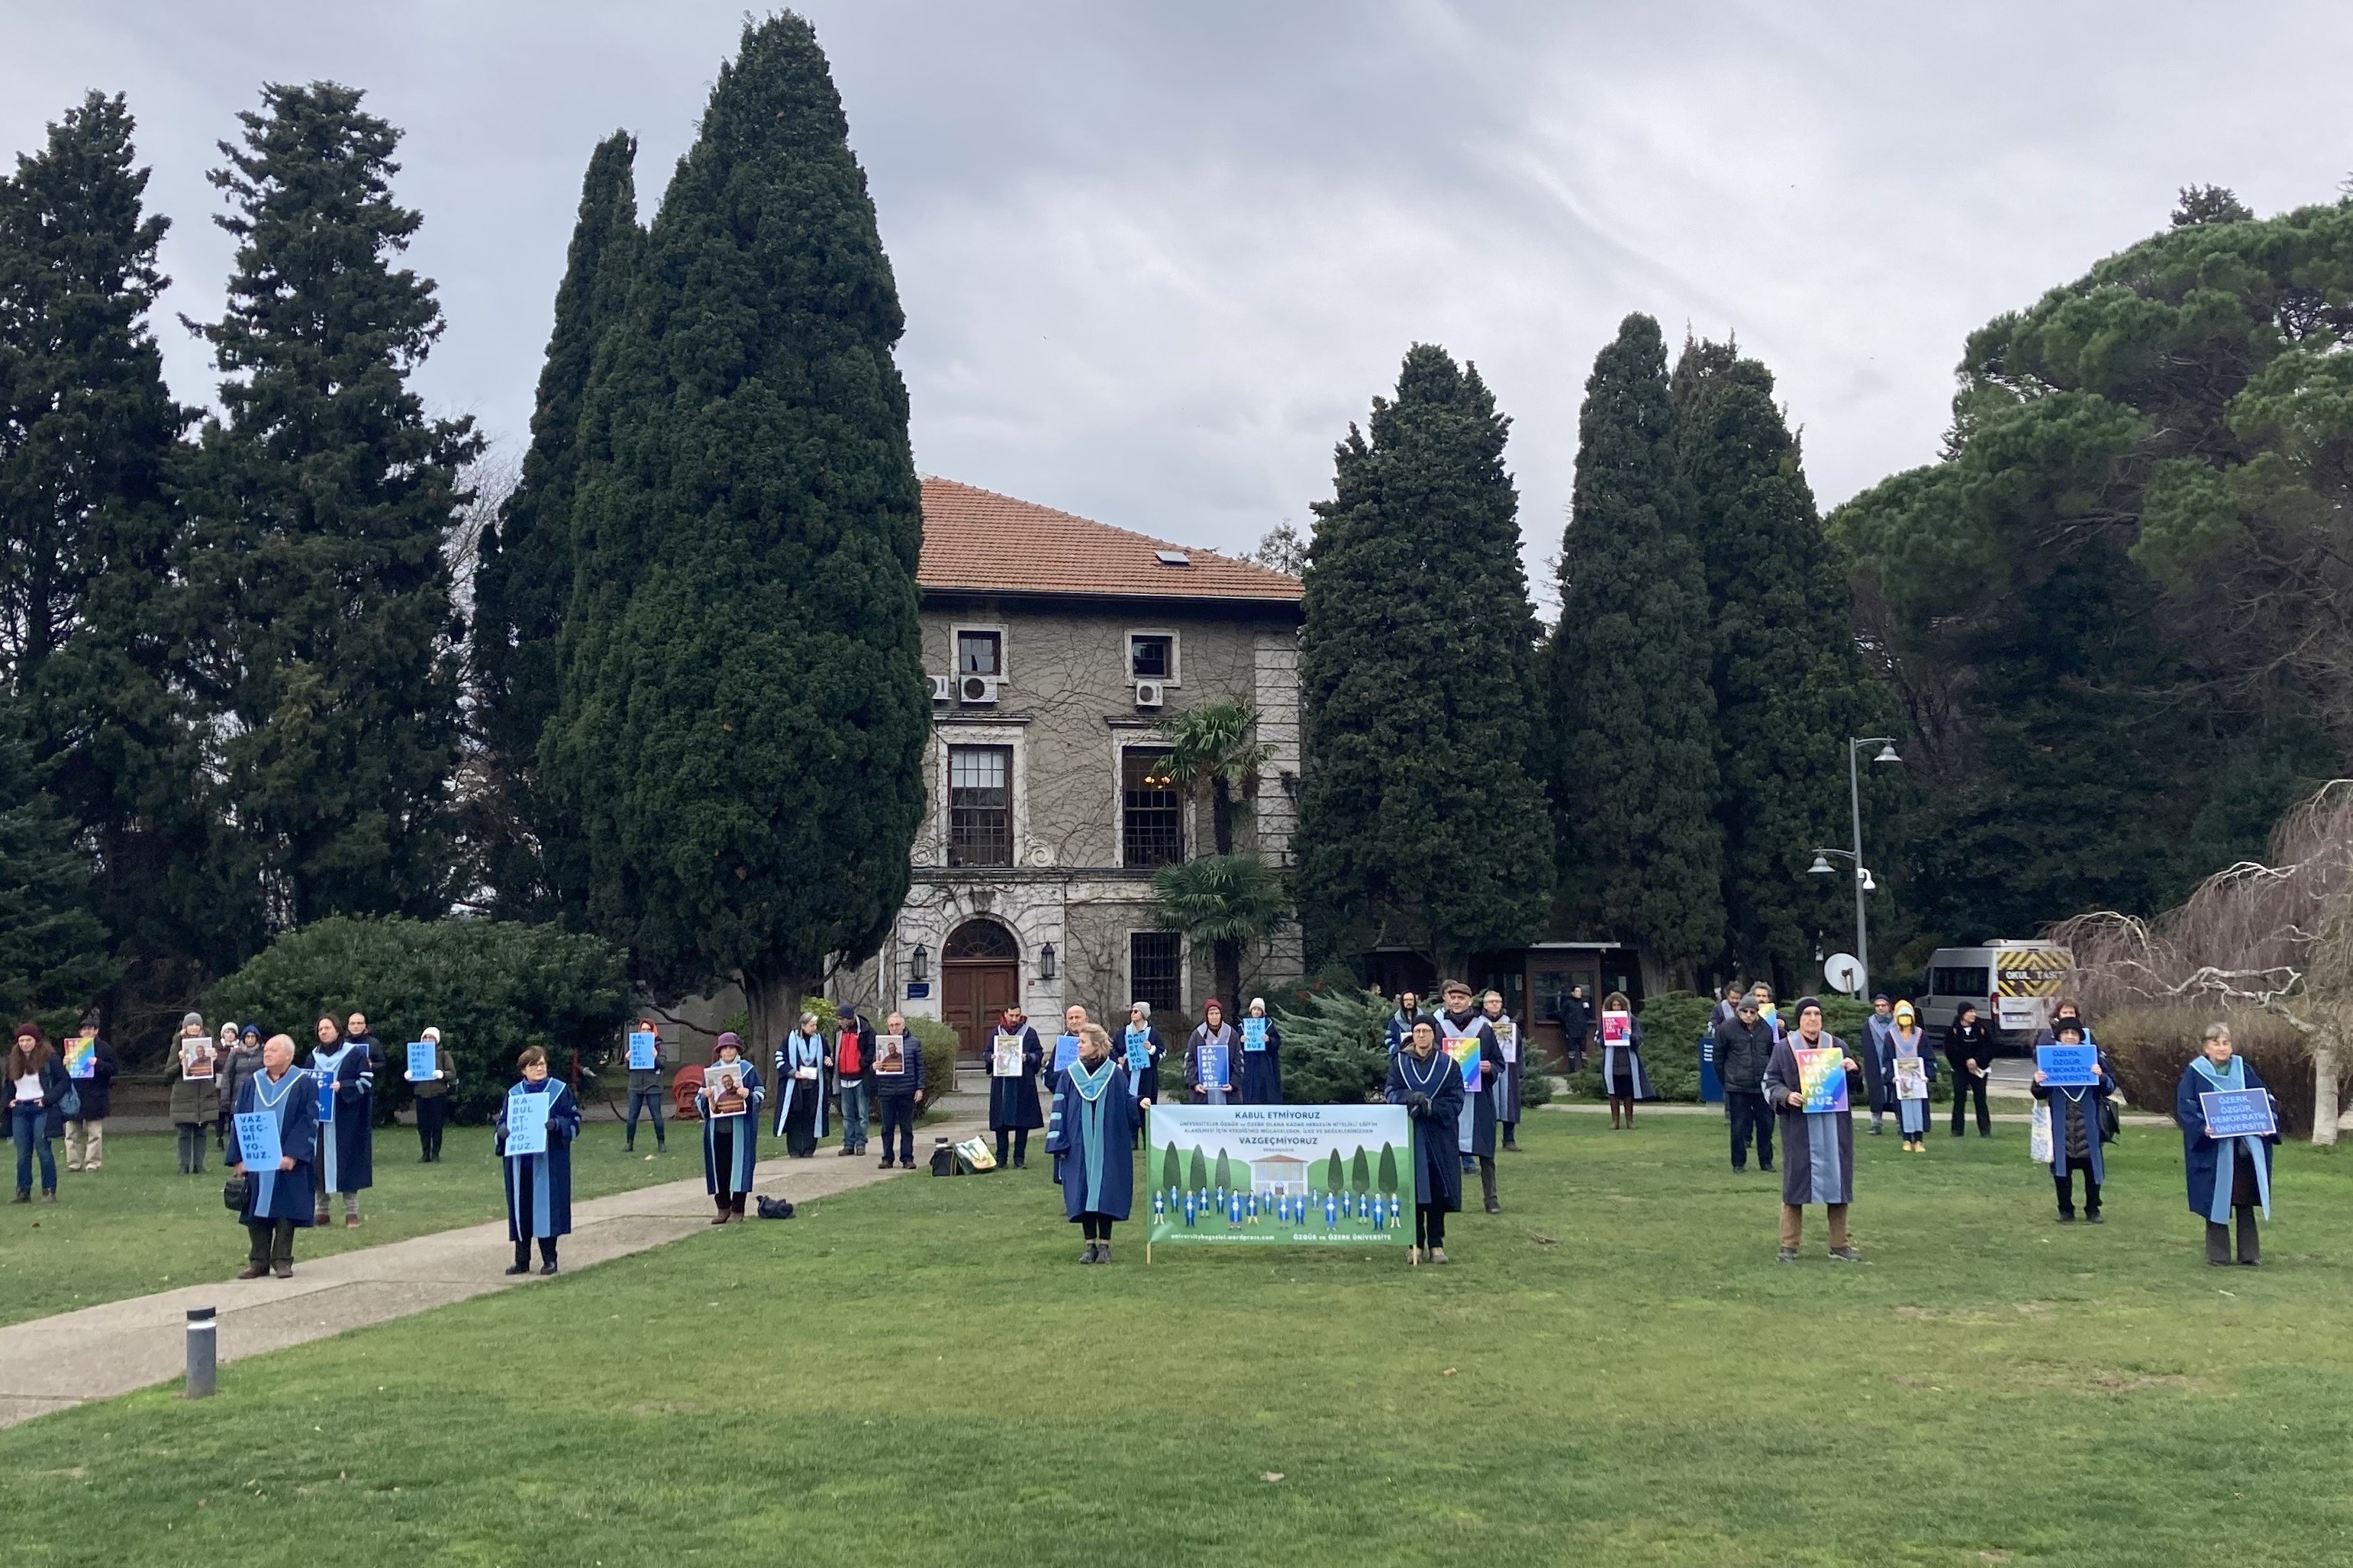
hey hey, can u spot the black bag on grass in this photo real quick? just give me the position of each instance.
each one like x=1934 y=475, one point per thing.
x=775 y=1208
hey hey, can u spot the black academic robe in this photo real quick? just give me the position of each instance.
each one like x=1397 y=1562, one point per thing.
x=1093 y=1139
x=1013 y=1101
x=1262 y=1071
x=1143 y=1083
x=539 y=1187
x=1199 y=1092
x=1475 y=1121
x=347 y=1143
x=269 y=1194
x=1432 y=1092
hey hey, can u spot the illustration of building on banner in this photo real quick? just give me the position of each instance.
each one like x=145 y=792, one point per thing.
x=1278 y=1175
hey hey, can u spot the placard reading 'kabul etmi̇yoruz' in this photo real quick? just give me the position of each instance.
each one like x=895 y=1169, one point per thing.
x=1243 y=1174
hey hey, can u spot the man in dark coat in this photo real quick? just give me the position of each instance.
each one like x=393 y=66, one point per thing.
x=1817 y=1146
x=1743 y=1045
x=1428 y=1083
x=1575 y=1026
x=1013 y=1105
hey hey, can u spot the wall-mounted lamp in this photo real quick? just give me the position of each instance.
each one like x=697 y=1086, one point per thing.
x=919 y=962
x=1046 y=962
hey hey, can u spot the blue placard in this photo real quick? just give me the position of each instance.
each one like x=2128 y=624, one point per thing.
x=422 y=1060
x=643 y=1049
x=1213 y=1067
x=2068 y=1067
x=1139 y=1048
x=527 y=1121
x=1066 y=1051
x=325 y=1082
x=256 y=1140
x=1253 y=1034
x=2239 y=1114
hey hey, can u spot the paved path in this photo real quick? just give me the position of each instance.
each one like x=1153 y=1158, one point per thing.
x=51 y=1363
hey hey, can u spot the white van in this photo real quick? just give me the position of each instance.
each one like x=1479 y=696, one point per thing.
x=2015 y=984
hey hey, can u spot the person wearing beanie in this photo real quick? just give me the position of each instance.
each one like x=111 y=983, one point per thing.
x=242 y=1063
x=2075 y=1128
x=730 y=1128
x=192 y=1069
x=1469 y=1041
x=1428 y=1084
x=1909 y=1070
x=433 y=1101
x=1817 y=1146
x=1877 y=1054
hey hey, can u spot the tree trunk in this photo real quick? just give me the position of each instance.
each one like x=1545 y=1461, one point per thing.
x=773 y=996
x=1227 y=959
x=2324 y=1086
x=1221 y=815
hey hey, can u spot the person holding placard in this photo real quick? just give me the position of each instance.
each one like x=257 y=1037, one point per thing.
x=644 y=1085
x=344 y=1068
x=37 y=1086
x=1262 y=1057
x=1210 y=1054
x=1623 y=1078
x=853 y=1077
x=2229 y=1171
x=1906 y=1071
x=1470 y=1042
x=432 y=1073
x=1066 y=1044
x=730 y=1103
x=274 y=1143
x=1506 y=1087
x=535 y=1129
x=193 y=1099
x=1089 y=1139
x=230 y=1073
x=898 y=1086
x=1402 y=1022
x=1807 y=1080
x=801 y=1105
x=2070 y=1077
x=1015 y=1056
x=1140 y=1048
x=1428 y=1084
x=90 y=1067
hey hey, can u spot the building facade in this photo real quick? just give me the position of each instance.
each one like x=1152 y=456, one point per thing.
x=1055 y=644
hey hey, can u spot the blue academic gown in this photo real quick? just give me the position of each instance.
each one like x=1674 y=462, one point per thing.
x=347 y=1145
x=2081 y=1100
x=1013 y=1101
x=539 y=1187
x=728 y=1171
x=1261 y=1080
x=1436 y=1164
x=1092 y=1138
x=796 y=1093
x=2204 y=1159
x=274 y=1194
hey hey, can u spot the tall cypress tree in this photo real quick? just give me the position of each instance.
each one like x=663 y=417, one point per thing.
x=1790 y=680
x=86 y=525
x=523 y=582
x=1634 y=770
x=52 y=948
x=744 y=714
x=321 y=503
x=1420 y=819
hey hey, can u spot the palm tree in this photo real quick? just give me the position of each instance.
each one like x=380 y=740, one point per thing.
x=1226 y=899
x=1213 y=751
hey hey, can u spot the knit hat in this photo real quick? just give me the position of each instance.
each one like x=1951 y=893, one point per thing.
x=193 y=1021
x=1904 y=1010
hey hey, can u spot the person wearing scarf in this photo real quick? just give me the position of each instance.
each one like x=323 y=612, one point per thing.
x=1428 y=1083
x=539 y=1187
x=242 y=1064
x=194 y=1097
x=277 y=1198
x=731 y=1141
x=1013 y=1101
x=344 y=1068
x=1402 y=1022
x=1212 y=1031
x=1140 y=1048
x=1904 y=1038
x=1878 y=1055
x=1469 y=1040
x=1817 y=1147
x=1506 y=1088
x=801 y=1062
x=2226 y=1175
x=2075 y=1130
x=1090 y=1136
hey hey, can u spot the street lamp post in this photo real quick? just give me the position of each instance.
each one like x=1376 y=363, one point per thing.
x=1862 y=883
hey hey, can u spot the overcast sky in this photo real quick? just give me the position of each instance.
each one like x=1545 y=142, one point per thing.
x=1155 y=257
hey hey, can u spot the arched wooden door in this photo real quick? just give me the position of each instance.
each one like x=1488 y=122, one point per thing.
x=980 y=977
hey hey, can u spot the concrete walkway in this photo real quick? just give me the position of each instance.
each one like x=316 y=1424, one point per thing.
x=51 y=1363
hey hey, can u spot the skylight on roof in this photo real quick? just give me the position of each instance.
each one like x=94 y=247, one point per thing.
x=1173 y=558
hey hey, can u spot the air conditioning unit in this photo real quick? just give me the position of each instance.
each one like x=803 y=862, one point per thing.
x=977 y=689
x=943 y=688
x=1151 y=693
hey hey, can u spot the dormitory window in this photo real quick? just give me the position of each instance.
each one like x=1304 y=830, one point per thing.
x=1152 y=814
x=1156 y=968
x=980 y=805
x=980 y=653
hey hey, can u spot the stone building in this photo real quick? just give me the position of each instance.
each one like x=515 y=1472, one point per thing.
x=1053 y=644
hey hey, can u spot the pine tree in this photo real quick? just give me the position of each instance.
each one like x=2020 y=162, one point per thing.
x=87 y=526
x=532 y=854
x=1634 y=771
x=1790 y=681
x=1420 y=818
x=744 y=713
x=53 y=956
x=321 y=503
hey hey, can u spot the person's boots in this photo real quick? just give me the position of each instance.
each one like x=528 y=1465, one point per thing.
x=1487 y=1184
x=1103 y=1252
x=2218 y=1245
x=2250 y=1247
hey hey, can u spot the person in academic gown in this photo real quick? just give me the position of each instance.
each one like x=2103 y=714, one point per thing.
x=2226 y=1175
x=1906 y=1038
x=539 y=1187
x=1474 y=1138
x=731 y=1144
x=1402 y=1022
x=1425 y=1080
x=801 y=1064
x=1261 y=1069
x=346 y=1067
x=1213 y=1030
x=278 y=1201
x=1140 y=1049
x=1090 y=1138
x=1013 y=1105
x=1878 y=1059
x=1623 y=1078
x=2074 y=1130
x=1506 y=1087
x=1816 y=1148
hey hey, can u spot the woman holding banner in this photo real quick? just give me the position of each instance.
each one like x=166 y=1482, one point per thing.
x=273 y=1139
x=1806 y=1081
x=1428 y=1084
x=535 y=1129
x=1090 y=1138
x=1622 y=1078
x=2229 y=1173
x=730 y=1103
x=1210 y=1055
x=2076 y=1131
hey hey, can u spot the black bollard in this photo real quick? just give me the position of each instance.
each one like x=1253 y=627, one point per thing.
x=202 y=1332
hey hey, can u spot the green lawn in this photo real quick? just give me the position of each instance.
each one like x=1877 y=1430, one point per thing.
x=1614 y=1371
x=139 y=1226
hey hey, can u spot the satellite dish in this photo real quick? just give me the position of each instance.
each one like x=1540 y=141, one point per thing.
x=1844 y=972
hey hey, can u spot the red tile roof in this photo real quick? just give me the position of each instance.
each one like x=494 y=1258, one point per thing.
x=975 y=541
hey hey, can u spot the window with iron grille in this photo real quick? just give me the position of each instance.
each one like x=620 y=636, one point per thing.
x=1152 y=814
x=1155 y=970
x=980 y=805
